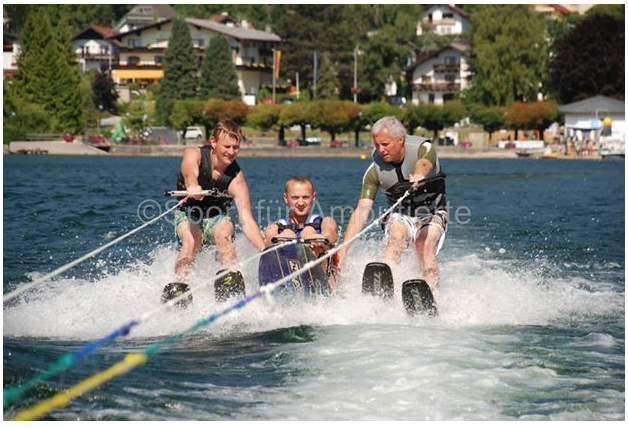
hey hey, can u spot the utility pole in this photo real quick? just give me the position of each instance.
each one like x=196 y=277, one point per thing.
x=274 y=65
x=355 y=74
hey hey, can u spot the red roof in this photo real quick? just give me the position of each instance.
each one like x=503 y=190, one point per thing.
x=560 y=8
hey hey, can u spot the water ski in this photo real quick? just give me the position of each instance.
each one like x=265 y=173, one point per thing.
x=229 y=286
x=175 y=290
x=378 y=280
x=417 y=298
x=285 y=260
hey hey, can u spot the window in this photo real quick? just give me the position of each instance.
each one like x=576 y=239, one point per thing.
x=159 y=59
x=450 y=77
x=448 y=97
x=451 y=60
x=133 y=61
x=431 y=98
x=133 y=43
x=426 y=78
x=146 y=10
x=448 y=15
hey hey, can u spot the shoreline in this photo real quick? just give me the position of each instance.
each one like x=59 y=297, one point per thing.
x=78 y=148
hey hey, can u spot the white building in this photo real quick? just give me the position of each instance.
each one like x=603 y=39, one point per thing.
x=141 y=52
x=443 y=19
x=437 y=76
x=94 y=48
x=145 y=14
x=584 y=119
x=10 y=49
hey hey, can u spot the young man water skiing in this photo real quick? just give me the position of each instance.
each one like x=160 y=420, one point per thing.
x=322 y=232
x=300 y=196
x=205 y=219
x=401 y=163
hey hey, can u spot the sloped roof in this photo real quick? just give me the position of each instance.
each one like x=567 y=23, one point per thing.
x=240 y=33
x=452 y=7
x=560 y=8
x=105 y=32
x=424 y=56
x=161 y=10
x=593 y=104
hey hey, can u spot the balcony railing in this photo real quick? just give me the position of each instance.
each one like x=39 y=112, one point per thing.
x=447 y=68
x=438 y=86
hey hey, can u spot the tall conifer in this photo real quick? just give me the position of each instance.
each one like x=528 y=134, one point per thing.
x=218 y=78
x=180 y=70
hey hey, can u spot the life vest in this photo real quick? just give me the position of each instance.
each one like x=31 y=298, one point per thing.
x=209 y=206
x=312 y=220
x=393 y=180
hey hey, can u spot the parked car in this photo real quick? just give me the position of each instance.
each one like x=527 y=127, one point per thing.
x=510 y=145
x=193 y=133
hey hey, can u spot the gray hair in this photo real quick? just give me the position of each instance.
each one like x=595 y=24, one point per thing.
x=390 y=123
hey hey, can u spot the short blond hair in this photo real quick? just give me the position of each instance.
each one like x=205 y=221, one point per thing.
x=227 y=127
x=298 y=179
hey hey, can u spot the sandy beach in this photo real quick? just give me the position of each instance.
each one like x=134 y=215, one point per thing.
x=78 y=148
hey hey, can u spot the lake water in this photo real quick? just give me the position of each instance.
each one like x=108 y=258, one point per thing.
x=532 y=309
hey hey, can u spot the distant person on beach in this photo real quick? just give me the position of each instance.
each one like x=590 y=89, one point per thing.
x=399 y=161
x=204 y=219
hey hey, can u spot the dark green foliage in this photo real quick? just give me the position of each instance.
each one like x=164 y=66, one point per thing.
x=490 y=117
x=104 y=92
x=328 y=85
x=79 y=16
x=47 y=74
x=509 y=54
x=218 y=78
x=180 y=71
x=590 y=60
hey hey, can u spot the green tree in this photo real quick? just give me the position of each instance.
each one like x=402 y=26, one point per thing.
x=328 y=85
x=334 y=116
x=104 y=92
x=296 y=114
x=590 y=60
x=509 y=53
x=218 y=78
x=265 y=117
x=490 y=117
x=180 y=72
x=221 y=110
x=385 y=55
x=68 y=98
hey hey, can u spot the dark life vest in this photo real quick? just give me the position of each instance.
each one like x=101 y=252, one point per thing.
x=429 y=198
x=209 y=206
x=314 y=221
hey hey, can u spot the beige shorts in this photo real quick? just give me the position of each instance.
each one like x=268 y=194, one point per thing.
x=414 y=224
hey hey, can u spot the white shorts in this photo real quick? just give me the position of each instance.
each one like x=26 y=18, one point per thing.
x=414 y=224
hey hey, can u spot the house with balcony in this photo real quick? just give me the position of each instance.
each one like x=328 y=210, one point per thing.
x=141 y=51
x=10 y=49
x=437 y=76
x=94 y=48
x=444 y=20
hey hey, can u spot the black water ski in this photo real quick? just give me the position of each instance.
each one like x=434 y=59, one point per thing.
x=229 y=286
x=378 y=280
x=175 y=290
x=417 y=298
